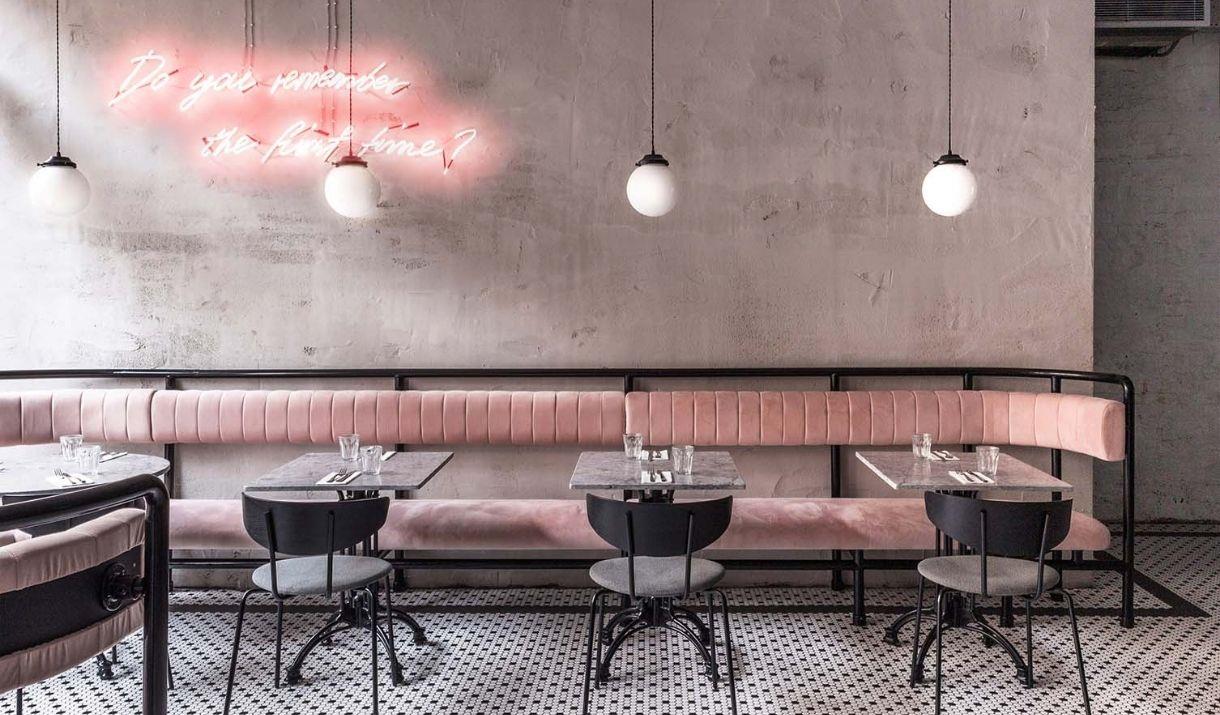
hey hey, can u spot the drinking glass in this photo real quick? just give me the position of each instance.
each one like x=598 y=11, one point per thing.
x=68 y=444
x=989 y=460
x=88 y=457
x=921 y=446
x=633 y=445
x=370 y=459
x=349 y=447
x=683 y=457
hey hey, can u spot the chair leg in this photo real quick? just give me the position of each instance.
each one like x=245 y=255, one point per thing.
x=728 y=651
x=593 y=619
x=940 y=619
x=1029 y=642
x=1084 y=686
x=918 y=635
x=279 y=637
x=711 y=640
x=371 y=600
x=241 y=613
x=599 y=642
x=389 y=618
x=857 y=590
x=20 y=697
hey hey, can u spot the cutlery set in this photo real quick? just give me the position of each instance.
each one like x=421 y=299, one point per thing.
x=942 y=455
x=107 y=456
x=340 y=477
x=64 y=479
x=974 y=477
x=656 y=477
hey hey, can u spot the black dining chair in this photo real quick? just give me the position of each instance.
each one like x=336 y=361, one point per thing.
x=313 y=532
x=657 y=573
x=1008 y=542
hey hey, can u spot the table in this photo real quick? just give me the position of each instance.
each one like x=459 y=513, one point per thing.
x=26 y=477
x=402 y=472
x=615 y=470
x=902 y=471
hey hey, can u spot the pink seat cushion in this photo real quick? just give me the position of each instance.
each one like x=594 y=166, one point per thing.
x=780 y=524
x=774 y=524
x=208 y=524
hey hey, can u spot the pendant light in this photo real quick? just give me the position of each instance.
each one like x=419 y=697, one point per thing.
x=950 y=187
x=57 y=188
x=350 y=188
x=650 y=188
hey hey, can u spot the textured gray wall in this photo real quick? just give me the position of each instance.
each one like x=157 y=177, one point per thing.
x=800 y=131
x=1158 y=267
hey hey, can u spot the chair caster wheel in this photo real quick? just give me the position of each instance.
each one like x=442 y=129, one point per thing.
x=292 y=677
x=421 y=638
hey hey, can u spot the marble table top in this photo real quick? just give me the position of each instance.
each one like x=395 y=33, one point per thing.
x=614 y=470
x=30 y=476
x=901 y=470
x=405 y=471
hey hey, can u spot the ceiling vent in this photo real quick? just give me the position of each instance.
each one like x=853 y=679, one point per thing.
x=1153 y=13
x=1147 y=28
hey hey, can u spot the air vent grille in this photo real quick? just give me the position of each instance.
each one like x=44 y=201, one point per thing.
x=1153 y=13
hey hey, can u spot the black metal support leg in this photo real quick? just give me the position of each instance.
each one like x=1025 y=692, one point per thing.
x=396 y=677
x=728 y=651
x=915 y=639
x=940 y=624
x=370 y=602
x=1029 y=642
x=593 y=628
x=857 y=590
x=1084 y=685
x=1006 y=619
x=20 y=698
x=711 y=639
x=241 y=613
x=279 y=637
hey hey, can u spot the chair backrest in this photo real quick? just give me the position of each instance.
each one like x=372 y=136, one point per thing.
x=659 y=529
x=312 y=528
x=1024 y=530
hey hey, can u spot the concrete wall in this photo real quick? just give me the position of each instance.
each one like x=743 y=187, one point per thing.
x=800 y=132
x=1158 y=267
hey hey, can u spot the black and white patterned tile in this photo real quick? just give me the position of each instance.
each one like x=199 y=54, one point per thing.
x=521 y=651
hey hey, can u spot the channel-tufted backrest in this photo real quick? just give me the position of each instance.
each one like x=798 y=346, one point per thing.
x=387 y=416
x=39 y=417
x=1077 y=423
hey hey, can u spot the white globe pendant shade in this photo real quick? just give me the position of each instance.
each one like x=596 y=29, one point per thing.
x=351 y=189
x=58 y=188
x=950 y=187
x=650 y=188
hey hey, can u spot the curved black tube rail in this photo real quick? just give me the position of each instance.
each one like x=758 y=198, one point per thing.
x=1125 y=565
x=82 y=502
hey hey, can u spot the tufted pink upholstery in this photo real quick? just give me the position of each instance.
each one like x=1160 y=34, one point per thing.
x=101 y=415
x=1077 y=423
x=409 y=417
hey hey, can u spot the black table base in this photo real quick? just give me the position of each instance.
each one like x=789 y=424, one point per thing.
x=961 y=612
x=646 y=613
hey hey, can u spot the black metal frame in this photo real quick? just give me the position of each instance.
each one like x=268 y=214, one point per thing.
x=153 y=587
x=1124 y=565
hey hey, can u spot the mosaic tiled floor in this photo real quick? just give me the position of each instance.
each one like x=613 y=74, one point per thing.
x=520 y=651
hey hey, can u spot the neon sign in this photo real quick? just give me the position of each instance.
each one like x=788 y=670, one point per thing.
x=242 y=113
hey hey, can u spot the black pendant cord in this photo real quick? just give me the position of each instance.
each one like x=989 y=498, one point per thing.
x=652 y=74
x=351 y=127
x=57 y=101
x=950 y=76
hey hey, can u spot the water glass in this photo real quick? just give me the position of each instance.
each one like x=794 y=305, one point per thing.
x=989 y=460
x=921 y=446
x=68 y=444
x=88 y=457
x=370 y=459
x=683 y=457
x=633 y=445
x=349 y=447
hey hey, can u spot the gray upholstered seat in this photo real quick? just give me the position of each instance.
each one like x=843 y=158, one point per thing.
x=307 y=575
x=1005 y=577
x=658 y=576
